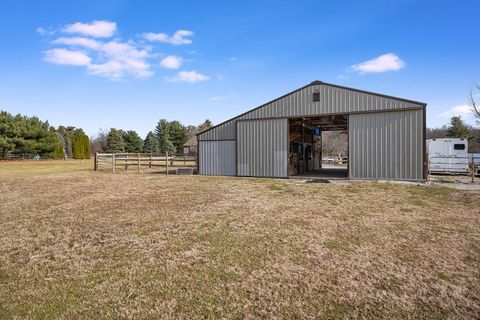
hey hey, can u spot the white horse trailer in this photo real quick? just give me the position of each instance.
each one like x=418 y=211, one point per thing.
x=448 y=155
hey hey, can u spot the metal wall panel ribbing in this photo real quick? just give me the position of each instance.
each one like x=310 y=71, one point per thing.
x=217 y=158
x=262 y=148
x=333 y=100
x=386 y=146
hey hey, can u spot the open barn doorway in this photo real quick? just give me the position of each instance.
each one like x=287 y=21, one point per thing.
x=318 y=147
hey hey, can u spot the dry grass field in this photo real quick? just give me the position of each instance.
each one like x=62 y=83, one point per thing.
x=82 y=244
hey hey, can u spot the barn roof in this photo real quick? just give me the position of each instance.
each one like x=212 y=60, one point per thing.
x=255 y=112
x=192 y=142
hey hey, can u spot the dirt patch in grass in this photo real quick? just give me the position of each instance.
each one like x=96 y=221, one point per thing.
x=102 y=245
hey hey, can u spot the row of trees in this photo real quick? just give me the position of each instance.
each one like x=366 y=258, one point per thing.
x=168 y=136
x=29 y=135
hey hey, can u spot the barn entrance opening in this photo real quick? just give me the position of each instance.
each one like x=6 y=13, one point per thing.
x=318 y=147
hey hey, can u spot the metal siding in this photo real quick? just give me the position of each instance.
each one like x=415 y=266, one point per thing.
x=262 y=148
x=217 y=158
x=299 y=103
x=386 y=146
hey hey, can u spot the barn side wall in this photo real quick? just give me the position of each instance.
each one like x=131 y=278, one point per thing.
x=262 y=148
x=217 y=158
x=386 y=146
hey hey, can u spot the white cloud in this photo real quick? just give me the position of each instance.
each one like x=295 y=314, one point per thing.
x=171 y=62
x=116 y=70
x=96 y=29
x=462 y=110
x=150 y=36
x=79 y=41
x=122 y=59
x=112 y=59
x=67 y=57
x=383 y=63
x=178 y=38
x=121 y=50
x=189 y=76
x=45 y=32
x=343 y=77
x=82 y=45
x=41 y=31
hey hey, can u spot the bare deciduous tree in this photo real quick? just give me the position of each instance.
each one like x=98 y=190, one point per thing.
x=335 y=143
x=474 y=103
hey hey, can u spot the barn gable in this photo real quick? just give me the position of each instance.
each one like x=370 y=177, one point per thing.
x=334 y=99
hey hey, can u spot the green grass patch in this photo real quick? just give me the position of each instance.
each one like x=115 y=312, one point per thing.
x=443 y=276
x=31 y=168
x=418 y=203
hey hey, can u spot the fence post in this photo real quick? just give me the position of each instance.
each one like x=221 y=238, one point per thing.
x=150 y=163
x=473 y=169
x=126 y=162
x=428 y=168
x=166 y=159
x=138 y=158
x=113 y=162
x=95 y=163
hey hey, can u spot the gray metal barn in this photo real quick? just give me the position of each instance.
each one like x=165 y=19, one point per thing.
x=386 y=136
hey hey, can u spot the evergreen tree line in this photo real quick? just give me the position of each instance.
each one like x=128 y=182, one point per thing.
x=29 y=135
x=168 y=136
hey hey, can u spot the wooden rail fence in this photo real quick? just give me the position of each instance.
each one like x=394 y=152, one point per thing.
x=167 y=163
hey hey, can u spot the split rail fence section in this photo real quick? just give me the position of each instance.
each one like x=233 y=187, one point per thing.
x=179 y=164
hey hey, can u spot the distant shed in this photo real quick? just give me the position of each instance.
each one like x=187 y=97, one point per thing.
x=190 y=147
x=386 y=136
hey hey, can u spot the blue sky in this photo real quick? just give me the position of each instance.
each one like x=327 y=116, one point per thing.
x=126 y=64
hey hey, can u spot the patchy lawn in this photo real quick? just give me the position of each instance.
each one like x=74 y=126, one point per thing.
x=103 y=245
x=27 y=168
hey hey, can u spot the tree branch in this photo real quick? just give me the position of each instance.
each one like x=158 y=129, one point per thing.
x=476 y=108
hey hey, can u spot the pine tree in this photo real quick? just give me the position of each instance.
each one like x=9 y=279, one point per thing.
x=133 y=142
x=86 y=147
x=6 y=146
x=150 y=144
x=80 y=145
x=58 y=152
x=163 y=136
x=115 y=141
x=457 y=128
x=21 y=134
x=169 y=147
x=205 y=125
x=178 y=135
